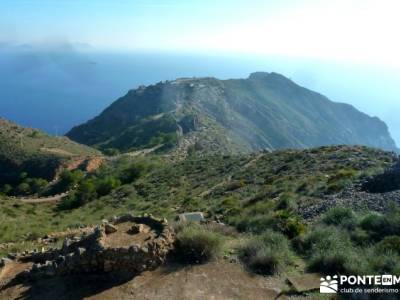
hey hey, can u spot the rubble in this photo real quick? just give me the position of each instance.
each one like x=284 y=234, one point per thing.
x=91 y=253
x=108 y=228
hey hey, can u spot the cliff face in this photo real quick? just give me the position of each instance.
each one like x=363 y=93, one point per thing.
x=264 y=111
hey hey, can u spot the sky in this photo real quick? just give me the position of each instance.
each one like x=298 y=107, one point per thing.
x=362 y=33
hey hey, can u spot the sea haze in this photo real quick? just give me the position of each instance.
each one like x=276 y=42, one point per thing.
x=55 y=90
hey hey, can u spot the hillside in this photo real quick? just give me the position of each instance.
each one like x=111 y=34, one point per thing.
x=264 y=111
x=238 y=188
x=34 y=152
x=285 y=214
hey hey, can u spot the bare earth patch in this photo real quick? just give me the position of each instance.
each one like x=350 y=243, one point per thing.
x=123 y=237
x=216 y=280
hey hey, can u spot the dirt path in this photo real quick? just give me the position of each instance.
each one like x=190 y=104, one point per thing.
x=217 y=280
x=55 y=198
x=229 y=178
x=56 y=151
x=253 y=161
x=91 y=165
x=210 y=190
x=134 y=153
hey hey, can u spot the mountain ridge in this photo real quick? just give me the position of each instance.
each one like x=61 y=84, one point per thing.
x=263 y=111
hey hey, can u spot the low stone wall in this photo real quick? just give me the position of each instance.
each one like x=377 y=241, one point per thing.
x=89 y=253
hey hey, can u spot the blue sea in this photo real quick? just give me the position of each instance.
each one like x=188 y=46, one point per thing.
x=56 y=90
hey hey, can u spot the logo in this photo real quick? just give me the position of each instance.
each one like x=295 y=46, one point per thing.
x=329 y=285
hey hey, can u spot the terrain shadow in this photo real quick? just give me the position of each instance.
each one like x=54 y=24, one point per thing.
x=389 y=181
x=72 y=287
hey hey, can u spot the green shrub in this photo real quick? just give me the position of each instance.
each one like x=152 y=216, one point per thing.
x=24 y=189
x=389 y=244
x=230 y=206
x=288 y=223
x=337 y=261
x=68 y=179
x=6 y=189
x=360 y=237
x=196 y=244
x=106 y=185
x=322 y=239
x=38 y=185
x=267 y=254
x=111 y=151
x=283 y=221
x=255 y=224
x=287 y=202
x=336 y=187
x=376 y=225
x=340 y=216
x=373 y=222
x=69 y=202
x=384 y=262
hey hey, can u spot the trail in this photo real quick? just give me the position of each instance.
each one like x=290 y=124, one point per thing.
x=135 y=153
x=54 y=198
x=229 y=177
x=91 y=165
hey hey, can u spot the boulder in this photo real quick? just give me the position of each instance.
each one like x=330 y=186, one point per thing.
x=109 y=228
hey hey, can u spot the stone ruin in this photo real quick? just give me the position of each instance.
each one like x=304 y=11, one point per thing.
x=125 y=243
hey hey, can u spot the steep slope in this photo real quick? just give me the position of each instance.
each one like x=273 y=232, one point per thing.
x=34 y=152
x=264 y=111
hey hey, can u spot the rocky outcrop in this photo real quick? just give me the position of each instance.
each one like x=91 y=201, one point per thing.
x=98 y=252
x=377 y=193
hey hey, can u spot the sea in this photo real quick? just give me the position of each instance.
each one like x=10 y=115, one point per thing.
x=55 y=90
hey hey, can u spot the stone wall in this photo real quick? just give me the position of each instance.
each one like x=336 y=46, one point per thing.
x=89 y=253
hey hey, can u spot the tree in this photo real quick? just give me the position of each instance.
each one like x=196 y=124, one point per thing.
x=134 y=171
x=6 y=189
x=86 y=192
x=23 y=176
x=24 y=189
x=38 y=185
x=68 y=179
x=111 y=151
x=106 y=185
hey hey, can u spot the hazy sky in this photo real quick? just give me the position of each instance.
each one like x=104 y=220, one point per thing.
x=348 y=33
x=364 y=31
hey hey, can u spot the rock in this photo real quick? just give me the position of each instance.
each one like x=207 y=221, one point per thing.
x=5 y=261
x=49 y=268
x=80 y=251
x=107 y=266
x=137 y=228
x=35 y=267
x=90 y=253
x=108 y=228
x=12 y=256
x=67 y=242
